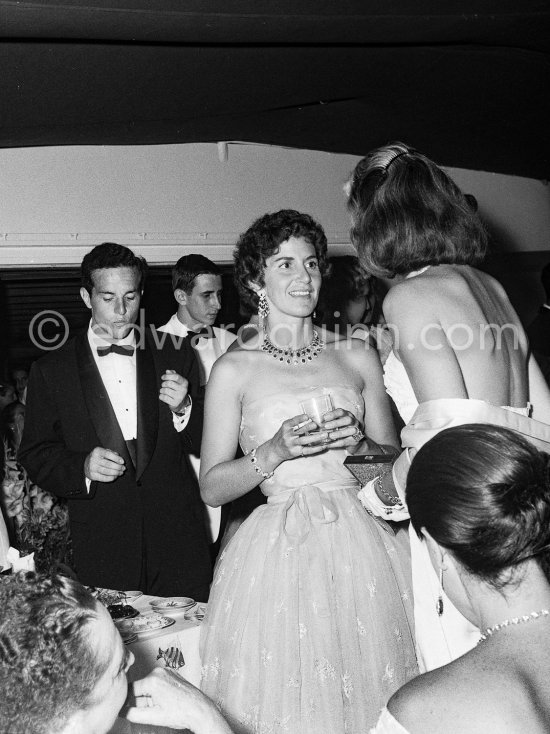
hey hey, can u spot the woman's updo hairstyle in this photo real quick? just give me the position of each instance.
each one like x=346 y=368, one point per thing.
x=483 y=492
x=408 y=213
x=263 y=239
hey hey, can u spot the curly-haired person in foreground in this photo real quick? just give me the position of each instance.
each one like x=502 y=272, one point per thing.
x=63 y=667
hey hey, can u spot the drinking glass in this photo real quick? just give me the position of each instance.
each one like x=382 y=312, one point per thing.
x=316 y=407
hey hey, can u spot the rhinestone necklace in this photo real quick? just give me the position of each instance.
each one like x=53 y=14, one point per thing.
x=294 y=356
x=532 y=617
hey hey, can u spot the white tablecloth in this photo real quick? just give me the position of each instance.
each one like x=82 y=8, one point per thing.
x=161 y=648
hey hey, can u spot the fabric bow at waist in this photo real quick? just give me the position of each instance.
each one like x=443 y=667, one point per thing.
x=308 y=505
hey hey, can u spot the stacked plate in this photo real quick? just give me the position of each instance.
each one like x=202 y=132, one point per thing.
x=150 y=622
x=172 y=604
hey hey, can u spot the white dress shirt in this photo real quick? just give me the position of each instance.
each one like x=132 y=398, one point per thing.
x=118 y=373
x=208 y=350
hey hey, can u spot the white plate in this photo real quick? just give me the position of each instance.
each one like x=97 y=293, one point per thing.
x=172 y=603
x=145 y=623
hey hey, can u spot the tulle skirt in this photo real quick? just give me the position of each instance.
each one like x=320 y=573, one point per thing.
x=308 y=628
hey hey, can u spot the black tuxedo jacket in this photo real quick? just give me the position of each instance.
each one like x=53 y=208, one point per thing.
x=147 y=523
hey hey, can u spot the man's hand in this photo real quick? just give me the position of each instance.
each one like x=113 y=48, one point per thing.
x=173 y=390
x=103 y=465
x=164 y=698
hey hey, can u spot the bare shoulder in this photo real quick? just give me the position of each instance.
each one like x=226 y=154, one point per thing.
x=437 y=291
x=235 y=365
x=409 y=298
x=354 y=351
x=447 y=699
x=424 y=703
x=491 y=284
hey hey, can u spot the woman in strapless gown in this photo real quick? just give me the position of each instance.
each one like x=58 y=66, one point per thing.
x=460 y=353
x=308 y=627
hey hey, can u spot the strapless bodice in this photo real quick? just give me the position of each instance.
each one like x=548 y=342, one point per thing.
x=262 y=418
x=400 y=390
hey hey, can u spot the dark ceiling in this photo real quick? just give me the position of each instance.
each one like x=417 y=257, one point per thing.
x=466 y=81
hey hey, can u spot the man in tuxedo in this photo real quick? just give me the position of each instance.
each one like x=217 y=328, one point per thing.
x=110 y=419
x=197 y=287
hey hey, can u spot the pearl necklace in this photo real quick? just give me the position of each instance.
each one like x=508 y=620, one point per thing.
x=531 y=617
x=294 y=356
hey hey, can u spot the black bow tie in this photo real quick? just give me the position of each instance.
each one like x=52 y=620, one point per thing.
x=205 y=333
x=125 y=349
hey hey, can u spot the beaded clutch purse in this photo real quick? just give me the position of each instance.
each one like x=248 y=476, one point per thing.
x=365 y=467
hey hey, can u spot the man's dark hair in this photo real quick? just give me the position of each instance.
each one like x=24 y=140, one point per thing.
x=188 y=268
x=47 y=665
x=111 y=255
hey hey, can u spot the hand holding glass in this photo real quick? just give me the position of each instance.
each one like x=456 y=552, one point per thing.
x=316 y=407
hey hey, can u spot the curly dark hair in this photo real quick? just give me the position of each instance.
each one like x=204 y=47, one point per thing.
x=47 y=666
x=408 y=213
x=110 y=255
x=263 y=239
x=483 y=492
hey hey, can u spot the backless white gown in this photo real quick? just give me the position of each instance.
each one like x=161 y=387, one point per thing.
x=439 y=639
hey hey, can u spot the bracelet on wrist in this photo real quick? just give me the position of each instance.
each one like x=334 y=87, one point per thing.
x=393 y=500
x=257 y=468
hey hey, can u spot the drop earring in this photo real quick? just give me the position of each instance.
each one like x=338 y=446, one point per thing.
x=439 y=602
x=263 y=305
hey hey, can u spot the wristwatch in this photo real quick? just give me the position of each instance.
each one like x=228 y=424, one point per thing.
x=186 y=405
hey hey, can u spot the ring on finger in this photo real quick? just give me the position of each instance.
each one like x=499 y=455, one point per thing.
x=358 y=435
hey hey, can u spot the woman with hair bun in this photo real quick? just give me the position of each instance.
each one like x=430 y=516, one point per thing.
x=460 y=354
x=480 y=497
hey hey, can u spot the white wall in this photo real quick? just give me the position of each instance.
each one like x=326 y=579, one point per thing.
x=516 y=210
x=165 y=201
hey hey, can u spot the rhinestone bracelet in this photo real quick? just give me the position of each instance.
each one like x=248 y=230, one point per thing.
x=257 y=468
x=395 y=502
